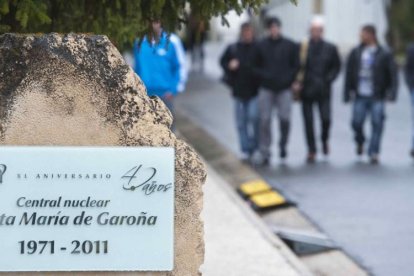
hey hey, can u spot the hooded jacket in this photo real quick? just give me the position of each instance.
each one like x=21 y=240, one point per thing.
x=161 y=65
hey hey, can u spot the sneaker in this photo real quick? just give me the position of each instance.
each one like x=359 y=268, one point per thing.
x=374 y=159
x=325 y=148
x=264 y=162
x=311 y=157
x=360 y=149
x=258 y=159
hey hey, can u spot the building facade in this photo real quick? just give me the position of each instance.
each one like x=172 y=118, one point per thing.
x=343 y=18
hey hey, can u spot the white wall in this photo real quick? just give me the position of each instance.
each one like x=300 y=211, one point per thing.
x=344 y=18
x=218 y=31
x=295 y=19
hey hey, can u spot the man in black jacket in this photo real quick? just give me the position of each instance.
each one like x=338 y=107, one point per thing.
x=409 y=77
x=277 y=66
x=238 y=62
x=371 y=78
x=320 y=66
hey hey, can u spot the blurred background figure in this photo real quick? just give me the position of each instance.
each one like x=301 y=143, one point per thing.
x=371 y=78
x=320 y=65
x=409 y=77
x=196 y=36
x=277 y=65
x=238 y=62
x=160 y=63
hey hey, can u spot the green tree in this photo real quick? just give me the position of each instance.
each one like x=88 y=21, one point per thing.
x=121 y=20
x=401 y=19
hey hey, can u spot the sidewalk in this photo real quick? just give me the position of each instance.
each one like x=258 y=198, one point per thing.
x=235 y=244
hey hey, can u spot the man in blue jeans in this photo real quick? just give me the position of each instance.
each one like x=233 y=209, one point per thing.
x=409 y=77
x=238 y=62
x=371 y=78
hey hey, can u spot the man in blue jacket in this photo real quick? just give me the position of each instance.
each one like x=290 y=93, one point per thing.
x=160 y=63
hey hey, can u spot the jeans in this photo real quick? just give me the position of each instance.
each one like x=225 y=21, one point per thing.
x=169 y=103
x=247 y=120
x=267 y=101
x=324 y=106
x=376 y=109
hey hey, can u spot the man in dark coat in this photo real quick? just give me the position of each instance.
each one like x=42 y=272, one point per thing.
x=371 y=79
x=238 y=62
x=277 y=66
x=409 y=77
x=320 y=66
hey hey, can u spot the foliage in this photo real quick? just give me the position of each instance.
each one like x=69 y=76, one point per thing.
x=401 y=18
x=121 y=20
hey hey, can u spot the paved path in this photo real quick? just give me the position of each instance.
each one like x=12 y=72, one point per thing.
x=368 y=210
x=234 y=244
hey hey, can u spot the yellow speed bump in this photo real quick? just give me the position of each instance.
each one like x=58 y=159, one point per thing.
x=254 y=187
x=261 y=195
x=267 y=200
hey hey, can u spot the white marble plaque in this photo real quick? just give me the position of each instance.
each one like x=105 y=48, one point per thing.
x=86 y=209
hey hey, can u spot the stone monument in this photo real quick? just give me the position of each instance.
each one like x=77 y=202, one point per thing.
x=76 y=90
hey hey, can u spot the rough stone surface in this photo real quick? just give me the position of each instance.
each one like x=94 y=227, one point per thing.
x=76 y=89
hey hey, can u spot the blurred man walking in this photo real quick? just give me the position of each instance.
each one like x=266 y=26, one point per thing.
x=277 y=66
x=409 y=77
x=371 y=78
x=237 y=62
x=160 y=63
x=320 y=65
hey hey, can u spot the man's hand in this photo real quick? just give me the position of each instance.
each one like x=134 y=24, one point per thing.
x=234 y=64
x=297 y=86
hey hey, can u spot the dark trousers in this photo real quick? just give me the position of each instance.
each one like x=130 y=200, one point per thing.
x=324 y=107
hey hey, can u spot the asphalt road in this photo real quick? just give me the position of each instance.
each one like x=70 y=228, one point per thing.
x=368 y=210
